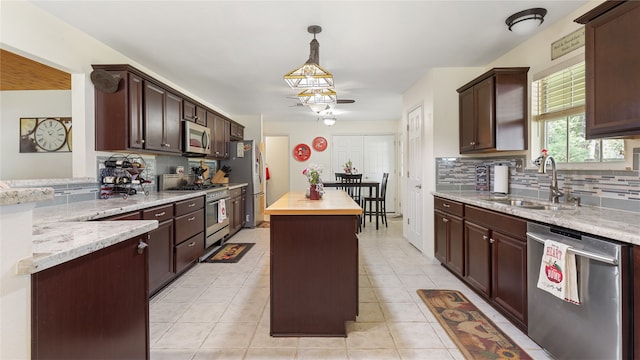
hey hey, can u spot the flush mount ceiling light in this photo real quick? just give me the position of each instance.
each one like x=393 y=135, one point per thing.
x=329 y=119
x=310 y=75
x=526 y=21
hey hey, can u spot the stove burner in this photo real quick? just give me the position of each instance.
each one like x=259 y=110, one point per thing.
x=197 y=187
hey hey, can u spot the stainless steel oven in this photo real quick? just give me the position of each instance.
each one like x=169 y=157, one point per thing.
x=217 y=227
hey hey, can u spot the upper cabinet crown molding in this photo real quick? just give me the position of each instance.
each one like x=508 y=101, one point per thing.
x=493 y=111
x=612 y=61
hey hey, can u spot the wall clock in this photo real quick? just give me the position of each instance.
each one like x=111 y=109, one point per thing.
x=50 y=134
x=319 y=143
x=301 y=152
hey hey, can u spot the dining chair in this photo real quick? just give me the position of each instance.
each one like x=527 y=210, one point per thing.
x=352 y=184
x=380 y=202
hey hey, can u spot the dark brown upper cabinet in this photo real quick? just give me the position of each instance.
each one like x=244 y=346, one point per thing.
x=612 y=69
x=194 y=113
x=162 y=119
x=493 y=111
x=220 y=133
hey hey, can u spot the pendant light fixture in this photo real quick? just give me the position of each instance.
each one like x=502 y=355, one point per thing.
x=318 y=97
x=310 y=75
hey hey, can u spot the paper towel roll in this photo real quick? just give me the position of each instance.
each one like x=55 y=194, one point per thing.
x=501 y=179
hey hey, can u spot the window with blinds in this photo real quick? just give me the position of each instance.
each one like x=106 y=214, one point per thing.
x=558 y=102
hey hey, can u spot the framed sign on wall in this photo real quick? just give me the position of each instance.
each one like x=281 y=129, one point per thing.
x=46 y=134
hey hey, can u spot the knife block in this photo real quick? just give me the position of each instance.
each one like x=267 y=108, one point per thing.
x=220 y=178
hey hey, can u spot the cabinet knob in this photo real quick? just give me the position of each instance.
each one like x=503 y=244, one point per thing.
x=141 y=246
x=472 y=143
x=142 y=141
x=491 y=240
x=485 y=237
x=445 y=220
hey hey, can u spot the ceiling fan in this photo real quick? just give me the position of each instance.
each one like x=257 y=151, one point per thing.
x=338 y=101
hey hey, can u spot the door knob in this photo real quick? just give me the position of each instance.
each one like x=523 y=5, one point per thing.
x=419 y=186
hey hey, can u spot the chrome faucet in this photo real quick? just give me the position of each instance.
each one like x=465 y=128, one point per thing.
x=554 y=192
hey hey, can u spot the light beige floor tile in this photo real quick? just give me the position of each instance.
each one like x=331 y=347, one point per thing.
x=184 y=336
x=166 y=312
x=392 y=294
x=203 y=312
x=323 y=342
x=424 y=354
x=415 y=335
x=218 y=295
x=182 y=295
x=363 y=281
x=262 y=339
x=229 y=335
x=370 y=312
x=374 y=354
x=157 y=329
x=322 y=354
x=367 y=295
x=384 y=280
x=402 y=312
x=243 y=312
x=368 y=336
x=416 y=281
x=220 y=354
x=271 y=354
x=172 y=354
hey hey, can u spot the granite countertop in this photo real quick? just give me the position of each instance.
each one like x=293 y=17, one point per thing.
x=237 y=185
x=609 y=223
x=62 y=232
x=332 y=203
x=12 y=196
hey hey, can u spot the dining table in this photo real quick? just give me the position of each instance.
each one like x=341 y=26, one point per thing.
x=372 y=186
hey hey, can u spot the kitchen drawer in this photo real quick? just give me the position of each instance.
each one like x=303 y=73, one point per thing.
x=188 y=252
x=188 y=225
x=497 y=221
x=187 y=206
x=448 y=206
x=160 y=213
x=236 y=192
x=128 y=216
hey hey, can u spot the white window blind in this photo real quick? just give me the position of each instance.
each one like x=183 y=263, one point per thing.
x=560 y=94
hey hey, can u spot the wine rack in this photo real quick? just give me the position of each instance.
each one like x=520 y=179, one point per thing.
x=123 y=174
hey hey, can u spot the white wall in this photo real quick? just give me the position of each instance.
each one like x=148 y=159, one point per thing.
x=31 y=104
x=304 y=131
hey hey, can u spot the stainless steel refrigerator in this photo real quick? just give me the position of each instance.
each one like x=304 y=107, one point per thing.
x=246 y=163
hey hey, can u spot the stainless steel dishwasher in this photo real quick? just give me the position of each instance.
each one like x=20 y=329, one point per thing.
x=598 y=328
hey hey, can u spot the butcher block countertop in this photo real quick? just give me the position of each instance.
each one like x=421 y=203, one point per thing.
x=333 y=202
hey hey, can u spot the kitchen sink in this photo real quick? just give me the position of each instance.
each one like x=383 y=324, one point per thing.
x=531 y=205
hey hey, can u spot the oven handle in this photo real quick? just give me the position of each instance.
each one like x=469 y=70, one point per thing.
x=587 y=254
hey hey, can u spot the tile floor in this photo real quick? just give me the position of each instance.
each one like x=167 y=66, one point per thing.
x=221 y=311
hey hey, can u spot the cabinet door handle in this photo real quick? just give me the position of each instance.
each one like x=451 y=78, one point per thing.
x=161 y=214
x=491 y=240
x=192 y=244
x=485 y=237
x=142 y=141
x=141 y=246
x=446 y=205
x=472 y=143
x=192 y=205
x=191 y=218
x=445 y=220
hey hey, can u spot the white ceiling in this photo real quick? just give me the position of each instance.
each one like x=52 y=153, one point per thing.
x=233 y=54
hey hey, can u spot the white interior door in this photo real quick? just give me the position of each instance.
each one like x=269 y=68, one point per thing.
x=276 y=155
x=345 y=148
x=413 y=209
x=379 y=158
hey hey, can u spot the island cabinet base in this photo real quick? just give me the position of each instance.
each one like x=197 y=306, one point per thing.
x=314 y=274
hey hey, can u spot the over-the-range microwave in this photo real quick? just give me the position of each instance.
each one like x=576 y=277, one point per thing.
x=197 y=139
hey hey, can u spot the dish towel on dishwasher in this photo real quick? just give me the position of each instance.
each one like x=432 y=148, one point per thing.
x=222 y=210
x=558 y=274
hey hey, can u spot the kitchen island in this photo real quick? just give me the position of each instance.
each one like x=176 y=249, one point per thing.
x=314 y=264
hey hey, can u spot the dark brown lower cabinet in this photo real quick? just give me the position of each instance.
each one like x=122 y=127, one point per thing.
x=636 y=302
x=161 y=269
x=314 y=274
x=93 y=307
x=496 y=260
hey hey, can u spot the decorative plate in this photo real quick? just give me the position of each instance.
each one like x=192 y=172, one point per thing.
x=319 y=143
x=301 y=152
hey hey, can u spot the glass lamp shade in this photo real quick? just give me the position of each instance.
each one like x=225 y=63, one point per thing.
x=309 y=76
x=329 y=121
x=318 y=97
x=526 y=21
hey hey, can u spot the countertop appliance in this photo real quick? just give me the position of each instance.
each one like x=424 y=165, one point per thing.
x=246 y=165
x=216 y=231
x=598 y=328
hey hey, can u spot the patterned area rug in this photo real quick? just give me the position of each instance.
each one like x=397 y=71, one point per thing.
x=476 y=336
x=264 y=224
x=230 y=253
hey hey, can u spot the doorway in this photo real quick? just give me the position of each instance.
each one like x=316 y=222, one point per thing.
x=276 y=155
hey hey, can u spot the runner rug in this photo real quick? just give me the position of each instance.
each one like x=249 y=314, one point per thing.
x=476 y=336
x=230 y=253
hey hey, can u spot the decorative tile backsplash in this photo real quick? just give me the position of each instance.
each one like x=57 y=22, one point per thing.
x=66 y=191
x=606 y=188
